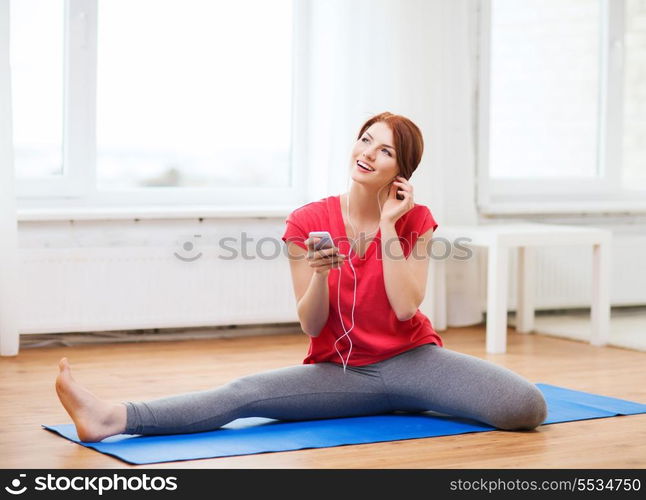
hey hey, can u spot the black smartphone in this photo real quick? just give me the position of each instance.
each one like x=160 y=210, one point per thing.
x=326 y=239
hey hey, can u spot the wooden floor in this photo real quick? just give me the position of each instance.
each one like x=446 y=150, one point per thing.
x=122 y=372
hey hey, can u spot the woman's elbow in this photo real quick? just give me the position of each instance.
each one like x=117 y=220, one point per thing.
x=409 y=310
x=310 y=333
x=406 y=315
x=311 y=330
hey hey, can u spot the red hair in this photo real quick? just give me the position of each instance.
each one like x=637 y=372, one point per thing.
x=409 y=143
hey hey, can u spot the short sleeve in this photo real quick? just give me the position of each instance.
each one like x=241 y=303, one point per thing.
x=310 y=217
x=427 y=221
x=413 y=225
x=294 y=230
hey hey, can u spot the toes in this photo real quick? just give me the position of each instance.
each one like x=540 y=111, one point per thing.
x=63 y=364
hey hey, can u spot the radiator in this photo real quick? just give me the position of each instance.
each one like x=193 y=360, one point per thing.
x=96 y=286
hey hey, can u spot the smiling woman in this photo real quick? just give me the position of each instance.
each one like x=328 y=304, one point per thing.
x=407 y=140
x=389 y=359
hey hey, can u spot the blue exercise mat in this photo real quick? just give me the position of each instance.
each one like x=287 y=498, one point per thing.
x=247 y=436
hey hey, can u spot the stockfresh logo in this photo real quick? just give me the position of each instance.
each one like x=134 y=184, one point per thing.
x=16 y=487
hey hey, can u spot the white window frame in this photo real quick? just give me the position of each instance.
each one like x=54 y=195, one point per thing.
x=76 y=190
x=562 y=195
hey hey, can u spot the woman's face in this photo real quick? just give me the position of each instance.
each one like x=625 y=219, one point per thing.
x=374 y=150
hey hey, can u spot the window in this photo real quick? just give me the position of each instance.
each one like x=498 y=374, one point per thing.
x=155 y=101
x=36 y=42
x=544 y=88
x=561 y=116
x=634 y=125
x=196 y=101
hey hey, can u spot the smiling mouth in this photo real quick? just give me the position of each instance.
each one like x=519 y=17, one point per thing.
x=364 y=166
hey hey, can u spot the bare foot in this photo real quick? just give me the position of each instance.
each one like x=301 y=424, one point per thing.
x=94 y=418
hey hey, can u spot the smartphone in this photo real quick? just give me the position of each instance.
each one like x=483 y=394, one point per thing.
x=325 y=242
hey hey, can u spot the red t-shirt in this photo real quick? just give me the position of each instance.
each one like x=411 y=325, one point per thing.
x=377 y=333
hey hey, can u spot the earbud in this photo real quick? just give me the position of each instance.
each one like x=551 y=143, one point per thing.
x=398 y=196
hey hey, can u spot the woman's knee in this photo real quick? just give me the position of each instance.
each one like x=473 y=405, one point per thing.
x=525 y=412
x=244 y=390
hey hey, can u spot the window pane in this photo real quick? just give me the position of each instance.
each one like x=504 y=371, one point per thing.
x=634 y=151
x=194 y=93
x=544 y=88
x=36 y=53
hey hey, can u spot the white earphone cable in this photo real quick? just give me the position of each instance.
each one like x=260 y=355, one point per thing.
x=346 y=333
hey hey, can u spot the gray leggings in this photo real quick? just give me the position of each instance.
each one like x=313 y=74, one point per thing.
x=425 y=378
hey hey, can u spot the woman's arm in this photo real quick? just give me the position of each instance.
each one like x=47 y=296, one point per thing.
x=405 y=279
x=310 y=271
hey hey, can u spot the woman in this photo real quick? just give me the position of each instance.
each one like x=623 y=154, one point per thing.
x=371 y=349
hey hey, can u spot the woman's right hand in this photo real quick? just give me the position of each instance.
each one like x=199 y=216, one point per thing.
x=321 y=261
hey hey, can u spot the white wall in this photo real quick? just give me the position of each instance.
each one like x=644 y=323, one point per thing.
x=370 y=56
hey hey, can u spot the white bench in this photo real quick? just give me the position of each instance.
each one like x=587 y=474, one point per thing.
x=499 y=239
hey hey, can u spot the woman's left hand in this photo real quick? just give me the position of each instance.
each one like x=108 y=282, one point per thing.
x=393 y=208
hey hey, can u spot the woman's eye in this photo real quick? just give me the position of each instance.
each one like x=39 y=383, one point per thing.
x=365 y=139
